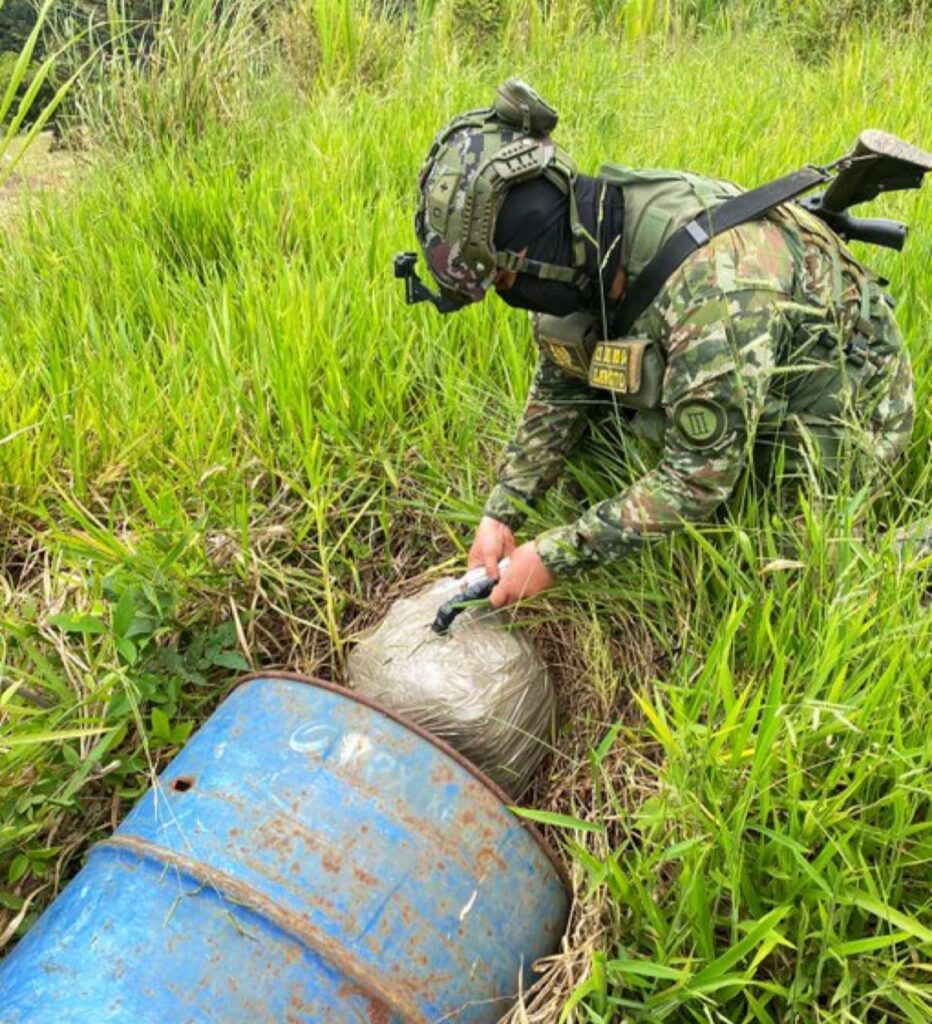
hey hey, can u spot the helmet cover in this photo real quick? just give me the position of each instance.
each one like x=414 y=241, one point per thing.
x=445 y=184
x=471 y=165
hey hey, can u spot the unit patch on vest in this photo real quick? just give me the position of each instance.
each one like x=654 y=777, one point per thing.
x=701 y=421
x=616 y=365
x=570 y=354
x=565 y=356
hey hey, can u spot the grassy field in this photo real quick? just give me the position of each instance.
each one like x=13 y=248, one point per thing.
x=226 y=443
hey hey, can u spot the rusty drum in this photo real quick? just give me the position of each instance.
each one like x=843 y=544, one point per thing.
x=307 y=858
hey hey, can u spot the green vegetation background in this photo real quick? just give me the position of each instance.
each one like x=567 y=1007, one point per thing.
x=226 y=443
x=17 y=17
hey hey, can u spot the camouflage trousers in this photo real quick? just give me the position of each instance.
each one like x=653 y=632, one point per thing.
x=848 y=417
x=845 y=407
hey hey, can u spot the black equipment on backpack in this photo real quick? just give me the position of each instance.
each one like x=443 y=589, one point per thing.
x=879 y=162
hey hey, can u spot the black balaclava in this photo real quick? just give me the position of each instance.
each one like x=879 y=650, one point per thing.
x=536 y=216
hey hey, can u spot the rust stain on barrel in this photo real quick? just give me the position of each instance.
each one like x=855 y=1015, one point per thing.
x=378 y=1013
x=363 y=877
x=396 y=995
x=441 y=774
x=488 y=856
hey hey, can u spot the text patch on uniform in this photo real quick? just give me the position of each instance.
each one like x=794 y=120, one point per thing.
x=616 y=365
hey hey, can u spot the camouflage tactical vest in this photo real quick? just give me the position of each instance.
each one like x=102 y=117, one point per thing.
x=657 y=203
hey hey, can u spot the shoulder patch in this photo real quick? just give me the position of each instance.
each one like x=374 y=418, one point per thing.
x=701 y=421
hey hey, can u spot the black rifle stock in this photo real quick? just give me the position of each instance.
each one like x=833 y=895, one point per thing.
x=879 y=162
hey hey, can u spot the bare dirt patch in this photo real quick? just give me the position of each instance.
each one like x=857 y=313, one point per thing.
x=41 y=168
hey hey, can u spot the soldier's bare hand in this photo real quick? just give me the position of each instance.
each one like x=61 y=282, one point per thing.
x=526 y=576
x=493 y=542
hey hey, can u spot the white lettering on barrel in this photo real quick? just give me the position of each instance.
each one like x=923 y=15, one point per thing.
x=470 y=903
x=313 y=738
x=354 y=746
x=378 y=769
x=440 y=808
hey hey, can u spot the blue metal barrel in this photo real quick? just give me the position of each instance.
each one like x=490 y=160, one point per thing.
x=308 y=857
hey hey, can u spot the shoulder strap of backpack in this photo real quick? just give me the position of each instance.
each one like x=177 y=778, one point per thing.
x=692 y=236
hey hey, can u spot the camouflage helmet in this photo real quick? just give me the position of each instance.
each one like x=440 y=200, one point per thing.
x=473 y=162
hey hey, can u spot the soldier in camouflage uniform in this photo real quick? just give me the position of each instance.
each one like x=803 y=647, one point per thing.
x=770 y=346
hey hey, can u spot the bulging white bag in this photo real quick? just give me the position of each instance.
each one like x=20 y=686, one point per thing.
x=483 y=686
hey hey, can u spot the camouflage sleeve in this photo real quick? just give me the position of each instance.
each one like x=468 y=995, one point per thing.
x=554 y=420
x=721 y=338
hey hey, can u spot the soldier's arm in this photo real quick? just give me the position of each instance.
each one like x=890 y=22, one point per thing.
x=554 y=420
x=721 y=353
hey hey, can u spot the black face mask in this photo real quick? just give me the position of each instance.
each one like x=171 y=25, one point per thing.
x=536 y=216
x=534 y=293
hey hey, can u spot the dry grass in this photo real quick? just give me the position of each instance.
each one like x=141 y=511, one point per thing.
x=597 y=667
x=43 y=168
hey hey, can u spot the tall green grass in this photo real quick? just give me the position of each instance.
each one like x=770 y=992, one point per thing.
x=226 y=442
x=29 y=92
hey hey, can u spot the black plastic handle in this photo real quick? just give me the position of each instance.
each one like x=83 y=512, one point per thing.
x=447 y=612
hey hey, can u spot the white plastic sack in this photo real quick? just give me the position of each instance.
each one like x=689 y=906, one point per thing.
x=483 y=687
